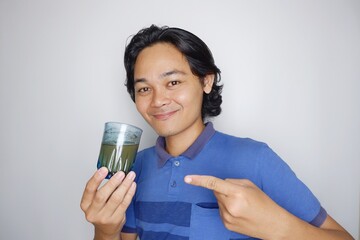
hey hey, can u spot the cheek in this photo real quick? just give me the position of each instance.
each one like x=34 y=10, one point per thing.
x=140 y=106
x=192 y=97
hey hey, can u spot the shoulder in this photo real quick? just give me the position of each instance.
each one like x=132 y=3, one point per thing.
x=233 y=143
x=145 y=152
x=257 y=153
x=148 y=153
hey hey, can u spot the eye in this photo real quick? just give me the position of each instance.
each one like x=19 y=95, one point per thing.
x=143 y=90
x=173 y=83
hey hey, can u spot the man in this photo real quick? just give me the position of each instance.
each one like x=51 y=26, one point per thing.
x=178 y=192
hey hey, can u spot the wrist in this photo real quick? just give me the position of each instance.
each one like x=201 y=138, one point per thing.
x=284 y=226
x=291 y=227
x=100 y=235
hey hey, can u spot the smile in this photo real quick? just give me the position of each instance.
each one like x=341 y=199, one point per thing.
x=163 y=116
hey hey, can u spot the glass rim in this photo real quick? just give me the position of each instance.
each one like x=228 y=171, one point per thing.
x=122 y=123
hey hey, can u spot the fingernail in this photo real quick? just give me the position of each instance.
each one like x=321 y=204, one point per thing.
x=119 y=175
x=188 y=179
x=131 y=175
x=102 y=171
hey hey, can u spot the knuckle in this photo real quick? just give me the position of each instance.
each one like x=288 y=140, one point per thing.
x=247 y=182
x=211 y=183
x=111 y=183
x=228 y=226
x=116 y=197
x=103 y=221
x=226 y=219
x=100 y=197
x=123 y=220
x=83 y=206
x=90 y=217
x=126 y=201
x=233 y=211
x=114 y=183
x=88 y=188
x=230 y=221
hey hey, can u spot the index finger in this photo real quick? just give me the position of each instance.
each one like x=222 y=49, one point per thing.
x=209 y=182
x=92 y=186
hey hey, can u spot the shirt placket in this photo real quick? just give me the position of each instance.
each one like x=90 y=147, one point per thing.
x=175 y=180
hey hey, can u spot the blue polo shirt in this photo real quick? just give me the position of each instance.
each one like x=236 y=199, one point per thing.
x=165 y=207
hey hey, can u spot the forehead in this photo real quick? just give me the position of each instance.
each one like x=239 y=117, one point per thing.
x=160 y=58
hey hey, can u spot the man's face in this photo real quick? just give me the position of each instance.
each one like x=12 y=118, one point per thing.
x=167 y=94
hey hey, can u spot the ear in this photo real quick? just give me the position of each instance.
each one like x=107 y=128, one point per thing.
x=208 y=83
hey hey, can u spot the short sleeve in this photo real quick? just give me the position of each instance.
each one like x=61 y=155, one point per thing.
x=281 y=184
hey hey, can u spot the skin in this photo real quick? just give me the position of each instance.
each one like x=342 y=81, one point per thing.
x=244 y=208
x=169 y=96
x=105 y=206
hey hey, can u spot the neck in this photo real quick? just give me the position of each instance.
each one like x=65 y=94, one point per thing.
x=177 y=144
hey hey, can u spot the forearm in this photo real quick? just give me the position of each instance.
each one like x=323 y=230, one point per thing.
x=294 y=228
x=99 y=235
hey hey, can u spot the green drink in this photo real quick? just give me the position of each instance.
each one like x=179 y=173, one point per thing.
x=119 y=147
x=117 y=158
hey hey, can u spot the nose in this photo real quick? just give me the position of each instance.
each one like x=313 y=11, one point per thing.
x=160 y=98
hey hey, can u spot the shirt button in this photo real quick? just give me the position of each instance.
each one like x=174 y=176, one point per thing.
x=173 y=184
x=177 y=163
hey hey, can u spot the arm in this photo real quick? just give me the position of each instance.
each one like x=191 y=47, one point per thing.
x=245 y=209
x=105 y=206
x=330 y=229
x=128 y=236
x=122 y=236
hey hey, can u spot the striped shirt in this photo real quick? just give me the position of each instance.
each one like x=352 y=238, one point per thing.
x=165 y=207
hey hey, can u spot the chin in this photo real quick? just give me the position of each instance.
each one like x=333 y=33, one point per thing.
x=163 y=129
x=165 y=132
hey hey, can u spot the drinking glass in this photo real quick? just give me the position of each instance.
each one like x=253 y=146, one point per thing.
x=119 y=146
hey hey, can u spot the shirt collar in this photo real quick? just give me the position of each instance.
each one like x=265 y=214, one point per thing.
x=191 y=152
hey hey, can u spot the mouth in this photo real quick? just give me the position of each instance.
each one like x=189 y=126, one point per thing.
x=163 y=116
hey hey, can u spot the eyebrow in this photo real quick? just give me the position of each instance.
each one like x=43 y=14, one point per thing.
x=173 y=72
x=163 y=75
x=140 y=80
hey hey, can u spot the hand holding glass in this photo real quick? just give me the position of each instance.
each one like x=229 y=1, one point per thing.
x=119 y=147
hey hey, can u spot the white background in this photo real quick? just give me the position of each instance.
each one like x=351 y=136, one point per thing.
x=291 y=77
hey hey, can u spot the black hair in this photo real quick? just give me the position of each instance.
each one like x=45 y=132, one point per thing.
x=197 y=53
